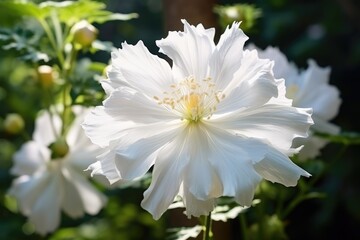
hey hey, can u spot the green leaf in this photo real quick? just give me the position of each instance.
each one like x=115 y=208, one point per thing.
x=11 y=12
x=71 y=12
x=224 y=213
x=184 y=233
x=105 y=16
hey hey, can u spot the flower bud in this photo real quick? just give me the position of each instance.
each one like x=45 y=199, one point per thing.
x=84 y=33
x=14 y=123
x=247 y=14
x=46 y=75
x=59 y=148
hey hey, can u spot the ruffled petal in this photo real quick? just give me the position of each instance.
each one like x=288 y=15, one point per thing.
x=277 y=167
x=277 y=124
x=282 y=67
x=166 y=177
x=31 y=157
x=141 y=70
x=311 y=147
x=190 y=51
x=228 y=56
x=315 y=92
x=201 y=179
x=253 y=85
x=134 y=160
x=232 y=157
x=126 y=104
x=195 y=207
x=102 y=128
x=80 y=195
x=106 y=166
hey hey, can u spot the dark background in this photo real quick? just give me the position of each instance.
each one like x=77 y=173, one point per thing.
x=327 y=31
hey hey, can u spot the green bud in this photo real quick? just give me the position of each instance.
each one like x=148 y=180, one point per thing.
x=247 y=14
x=59 y=148
x=46 y=75
x=84 y=33
x=14 y=123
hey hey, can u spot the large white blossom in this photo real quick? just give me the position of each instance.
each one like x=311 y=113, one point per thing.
x=46 y=186
x=214 y=124
x=308 y=88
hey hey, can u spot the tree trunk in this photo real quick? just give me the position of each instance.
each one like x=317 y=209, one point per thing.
x=194 y=11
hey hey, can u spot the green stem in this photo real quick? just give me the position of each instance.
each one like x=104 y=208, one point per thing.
x=243 y=225
x=207 y=225
x=67 y=70
x=52 y=40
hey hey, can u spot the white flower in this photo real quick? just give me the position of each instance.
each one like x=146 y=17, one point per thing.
x=309 y=88
x=213 y=125
x=44 y=186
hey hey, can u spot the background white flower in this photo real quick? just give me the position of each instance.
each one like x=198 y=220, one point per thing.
x=214 y=124
x=308 y=88
x=46 y=186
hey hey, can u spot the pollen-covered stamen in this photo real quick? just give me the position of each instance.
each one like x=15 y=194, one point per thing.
x=191 y=99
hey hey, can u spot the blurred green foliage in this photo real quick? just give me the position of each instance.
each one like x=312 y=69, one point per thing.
x=324 y=30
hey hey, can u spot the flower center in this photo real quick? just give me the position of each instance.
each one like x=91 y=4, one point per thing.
x=192 y=100
x=291 y=91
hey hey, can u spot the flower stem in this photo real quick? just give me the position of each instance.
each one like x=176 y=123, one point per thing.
x=243 y=226
x=207 y=225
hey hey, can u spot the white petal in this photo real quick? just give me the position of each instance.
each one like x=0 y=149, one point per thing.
x=311 y=147
x=46 y=212
x=232 y=157
x=190 y=51
x=30 y=158
x=71 y=204
x=102 y=128
x=27 y=189
x=47 y=127
x=75 y=136
x=227 y=57
x=114 y=79
x=282 y=68
x=39 y=198
x=167 y=174
x=89 y=198
x=277 y=124
x=140 y=69
x=277 y=167
x=201 y=179
x=133 y=161
x=126 y=104
x=315 y=92
x=253 y=85
x=323 y=126
x=195 y=207
x=106 y=166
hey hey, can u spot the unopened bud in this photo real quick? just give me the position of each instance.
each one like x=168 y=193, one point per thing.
x=46 y=75
x=84 y=33
x=59 y=148
x=14 y=123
